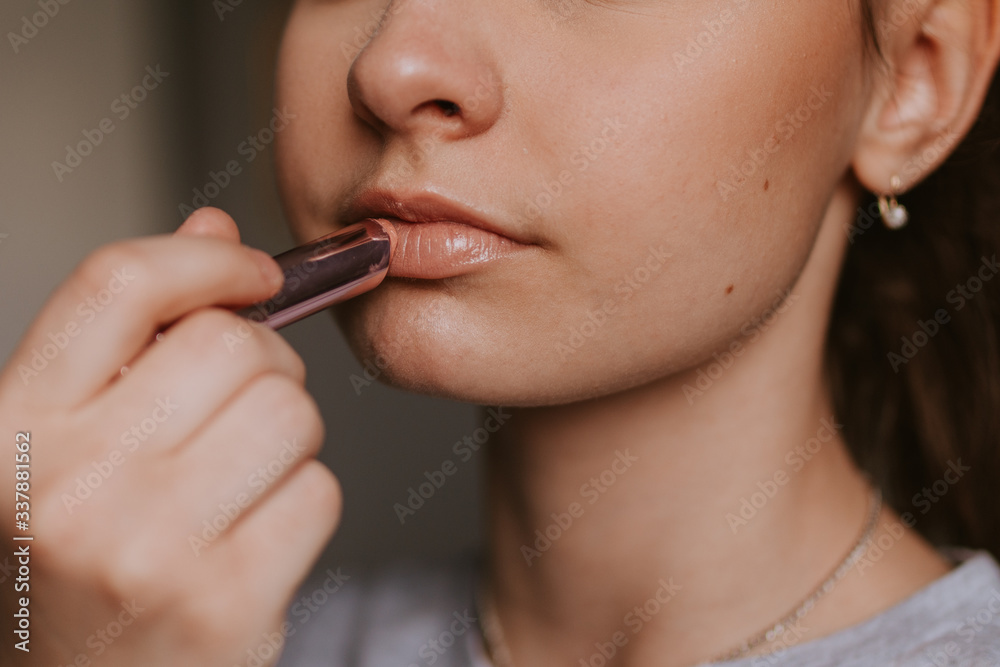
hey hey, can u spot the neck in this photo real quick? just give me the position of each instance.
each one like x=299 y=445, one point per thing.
x=674 y=521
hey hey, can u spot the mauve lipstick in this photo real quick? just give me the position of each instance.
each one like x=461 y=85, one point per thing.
x=326 y=271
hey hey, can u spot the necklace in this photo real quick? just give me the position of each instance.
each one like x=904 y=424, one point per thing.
x=499 y=653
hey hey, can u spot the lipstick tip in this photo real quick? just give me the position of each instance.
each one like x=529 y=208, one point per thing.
x=390 y=231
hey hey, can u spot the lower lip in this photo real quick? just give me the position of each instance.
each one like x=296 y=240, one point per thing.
x=437 y=250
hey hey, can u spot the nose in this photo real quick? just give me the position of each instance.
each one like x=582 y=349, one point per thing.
x=426 y=71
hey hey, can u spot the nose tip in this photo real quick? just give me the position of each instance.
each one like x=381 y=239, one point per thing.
x=408 y=80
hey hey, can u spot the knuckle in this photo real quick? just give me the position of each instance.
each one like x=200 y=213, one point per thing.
x=290 y=409
x=206 y=329
x=267 y=347
x=113 y=266
x=135 y=569
x=258 y=347
x=210 y=616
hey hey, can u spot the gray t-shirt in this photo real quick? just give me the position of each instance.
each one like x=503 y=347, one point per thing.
x=423 y=617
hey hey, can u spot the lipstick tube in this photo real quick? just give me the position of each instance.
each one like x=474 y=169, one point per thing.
x=331 y=269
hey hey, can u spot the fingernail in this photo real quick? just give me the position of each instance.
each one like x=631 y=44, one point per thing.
x=268 y=267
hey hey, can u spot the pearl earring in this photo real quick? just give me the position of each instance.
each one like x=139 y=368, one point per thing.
x=894 y=214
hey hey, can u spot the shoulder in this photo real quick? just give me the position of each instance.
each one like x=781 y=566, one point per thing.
x=408 y=614
x=961 y=612
x=953 y=622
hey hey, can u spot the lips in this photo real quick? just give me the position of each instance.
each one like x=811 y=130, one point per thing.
x=436 y=250
x=436 y=238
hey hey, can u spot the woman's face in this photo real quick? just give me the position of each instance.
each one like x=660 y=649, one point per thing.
x=652 y=173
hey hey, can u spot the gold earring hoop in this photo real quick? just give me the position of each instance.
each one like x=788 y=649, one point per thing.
x=894 y=214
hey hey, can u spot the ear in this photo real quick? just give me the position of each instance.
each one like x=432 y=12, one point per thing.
x=941 y=57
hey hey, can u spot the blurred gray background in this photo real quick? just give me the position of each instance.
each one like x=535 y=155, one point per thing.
x=61 y=80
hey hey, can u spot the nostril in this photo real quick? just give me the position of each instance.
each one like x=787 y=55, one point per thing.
x=449 y=108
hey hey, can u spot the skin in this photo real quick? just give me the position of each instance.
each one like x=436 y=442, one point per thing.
x=108 y=562
x=492 y=336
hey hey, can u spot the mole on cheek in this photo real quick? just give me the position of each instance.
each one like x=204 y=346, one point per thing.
x=767 y=184
x=729 y=290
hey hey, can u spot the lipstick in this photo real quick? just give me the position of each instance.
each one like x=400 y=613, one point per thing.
x=435 y=250
x=326 y=271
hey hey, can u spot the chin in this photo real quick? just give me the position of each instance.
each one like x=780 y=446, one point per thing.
x=415 y=342
x=418 y=338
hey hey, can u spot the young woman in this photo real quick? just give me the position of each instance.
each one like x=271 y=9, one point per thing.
x=749 y=419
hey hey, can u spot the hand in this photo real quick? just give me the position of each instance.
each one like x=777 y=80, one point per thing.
x=174 y=509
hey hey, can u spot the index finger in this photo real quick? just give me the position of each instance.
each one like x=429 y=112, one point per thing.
x=108 y=310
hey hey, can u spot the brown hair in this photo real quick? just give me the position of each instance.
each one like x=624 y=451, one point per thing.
x=913 y=354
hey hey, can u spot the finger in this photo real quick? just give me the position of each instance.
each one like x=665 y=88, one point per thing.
x=108 y=310
x=210 y=222
x=177 y=384
x=283 y=537
x=249 y=450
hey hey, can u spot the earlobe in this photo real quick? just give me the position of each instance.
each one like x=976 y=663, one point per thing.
x=942 y=55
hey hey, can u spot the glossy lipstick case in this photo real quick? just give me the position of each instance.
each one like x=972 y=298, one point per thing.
x=326 y=271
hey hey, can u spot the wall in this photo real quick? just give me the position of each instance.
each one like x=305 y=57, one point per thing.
x=61 y=83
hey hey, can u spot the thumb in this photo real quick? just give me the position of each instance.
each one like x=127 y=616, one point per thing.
x=210 y=222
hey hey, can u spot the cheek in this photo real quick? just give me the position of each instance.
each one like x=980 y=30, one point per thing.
x=725 y=162
x=320 y=155
x=646 y=175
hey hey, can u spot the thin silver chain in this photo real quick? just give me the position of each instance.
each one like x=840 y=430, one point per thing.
x=855 y=554
x=499 y=652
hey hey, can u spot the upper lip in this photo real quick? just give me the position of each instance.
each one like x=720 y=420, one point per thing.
x=420 y=207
